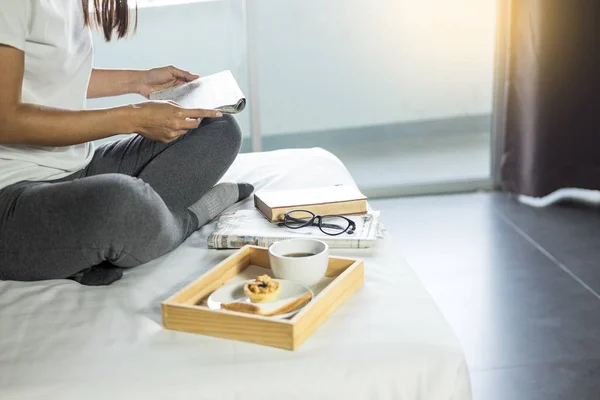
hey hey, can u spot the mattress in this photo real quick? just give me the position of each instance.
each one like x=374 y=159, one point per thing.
x=60 y=340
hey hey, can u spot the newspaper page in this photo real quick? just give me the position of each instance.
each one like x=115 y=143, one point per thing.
x=246 y=227
x=214 y=92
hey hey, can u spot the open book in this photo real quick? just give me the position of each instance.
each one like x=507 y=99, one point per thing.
x=214 y=92
x=245 y=227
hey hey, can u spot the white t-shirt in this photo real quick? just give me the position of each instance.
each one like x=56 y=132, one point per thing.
x=58 y=65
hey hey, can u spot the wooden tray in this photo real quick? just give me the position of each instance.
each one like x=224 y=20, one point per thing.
x=187 y=311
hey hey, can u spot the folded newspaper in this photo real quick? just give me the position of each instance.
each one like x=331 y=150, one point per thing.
x=246 y=227
x=215 y=92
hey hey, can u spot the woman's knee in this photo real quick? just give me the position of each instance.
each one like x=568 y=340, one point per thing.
x=224 y=133
x=232 y=130
x=118 y=195
x=136 y=219
x=121 y=204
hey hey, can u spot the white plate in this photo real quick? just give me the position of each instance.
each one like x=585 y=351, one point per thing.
x=234 y=292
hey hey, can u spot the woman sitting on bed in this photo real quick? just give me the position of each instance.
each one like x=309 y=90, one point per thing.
x=67 y=210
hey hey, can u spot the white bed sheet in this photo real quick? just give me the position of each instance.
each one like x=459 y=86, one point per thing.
x=59 y=340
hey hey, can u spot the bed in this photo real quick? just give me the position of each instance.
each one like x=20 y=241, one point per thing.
x=60 y=340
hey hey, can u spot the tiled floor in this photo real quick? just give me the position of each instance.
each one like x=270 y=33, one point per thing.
x=519 y=285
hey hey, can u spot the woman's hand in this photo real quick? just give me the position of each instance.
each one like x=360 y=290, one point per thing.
x=162 y=78
x=166 y=121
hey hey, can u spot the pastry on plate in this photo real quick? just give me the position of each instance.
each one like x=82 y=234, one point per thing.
x=262 y=289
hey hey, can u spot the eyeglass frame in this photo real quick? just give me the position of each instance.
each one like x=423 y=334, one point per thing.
x=350 y=229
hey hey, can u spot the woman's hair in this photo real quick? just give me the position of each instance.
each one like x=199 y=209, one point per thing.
x=112 y=16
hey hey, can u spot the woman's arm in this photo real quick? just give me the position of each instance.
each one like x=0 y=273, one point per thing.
x=109 y=82
x=36 y=125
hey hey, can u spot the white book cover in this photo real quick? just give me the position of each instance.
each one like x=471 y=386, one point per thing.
x=308 y=196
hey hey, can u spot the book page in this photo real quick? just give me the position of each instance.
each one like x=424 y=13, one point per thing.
x=219 y=92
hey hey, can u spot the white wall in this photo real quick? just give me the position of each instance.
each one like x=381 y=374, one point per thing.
x=330 y=64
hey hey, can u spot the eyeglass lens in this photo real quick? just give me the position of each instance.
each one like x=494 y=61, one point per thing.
x=333 y=225
x=297 y=219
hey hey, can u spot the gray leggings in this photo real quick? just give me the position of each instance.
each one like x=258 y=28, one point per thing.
x=127 y=207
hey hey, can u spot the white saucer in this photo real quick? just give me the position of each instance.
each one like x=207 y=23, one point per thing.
x=234 y=292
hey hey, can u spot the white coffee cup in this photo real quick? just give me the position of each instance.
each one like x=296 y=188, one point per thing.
x=307 y=270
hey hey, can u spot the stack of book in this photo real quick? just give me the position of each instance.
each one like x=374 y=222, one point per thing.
x=262 y=227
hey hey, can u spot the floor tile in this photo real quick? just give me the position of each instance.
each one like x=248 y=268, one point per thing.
x=508 y=303
x=568 y=231
x=557 y=381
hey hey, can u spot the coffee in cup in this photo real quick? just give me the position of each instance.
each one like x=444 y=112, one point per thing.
x=300 y=260
x=299 y=255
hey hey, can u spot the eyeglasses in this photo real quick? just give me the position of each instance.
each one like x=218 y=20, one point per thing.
x=332 y=225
